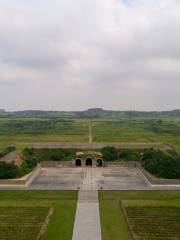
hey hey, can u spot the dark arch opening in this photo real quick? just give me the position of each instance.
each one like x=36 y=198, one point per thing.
x=99 y=162
x=78 y=162
x=88 y=161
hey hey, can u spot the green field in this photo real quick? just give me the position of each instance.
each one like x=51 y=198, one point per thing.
x=24 y=214
x=23 y=223
x=154 y=222
x=14 y=129
x=137 y=130
x=118 y=208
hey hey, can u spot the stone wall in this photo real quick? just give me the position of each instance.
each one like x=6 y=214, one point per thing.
x=56 y=164
x=121 y=163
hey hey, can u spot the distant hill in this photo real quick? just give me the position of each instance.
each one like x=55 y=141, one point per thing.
x=89 y=113
x=2 y=111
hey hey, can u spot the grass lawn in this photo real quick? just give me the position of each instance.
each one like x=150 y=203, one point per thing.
x=113 y=205
x=24 y=213
x=113 y=225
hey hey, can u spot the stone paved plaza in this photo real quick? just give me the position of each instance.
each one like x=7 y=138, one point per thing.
x=108 y=178
x=119 y=178
x=103 y=178
x=58 y=178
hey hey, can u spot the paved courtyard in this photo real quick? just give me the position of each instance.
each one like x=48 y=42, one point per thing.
x=120 y=178
x=58 y=178
x=106 y=178
x=110 y=178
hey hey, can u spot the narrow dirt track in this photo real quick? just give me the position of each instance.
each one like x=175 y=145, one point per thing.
x=90 y=133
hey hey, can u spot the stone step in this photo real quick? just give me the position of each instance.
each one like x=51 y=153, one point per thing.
x=88 y=196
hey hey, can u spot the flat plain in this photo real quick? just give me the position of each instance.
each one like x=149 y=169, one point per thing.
x=123 y=129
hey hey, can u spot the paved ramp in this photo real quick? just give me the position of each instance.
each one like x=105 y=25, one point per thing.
x=87 y=222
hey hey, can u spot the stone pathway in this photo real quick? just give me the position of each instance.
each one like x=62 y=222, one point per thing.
x=87 y=221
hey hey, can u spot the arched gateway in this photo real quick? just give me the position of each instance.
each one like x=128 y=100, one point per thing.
x=99 y=162
x=89 y=159
x=78 y=162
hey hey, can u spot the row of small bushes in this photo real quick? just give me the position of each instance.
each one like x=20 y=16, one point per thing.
x=113 y=154
x=46 y=154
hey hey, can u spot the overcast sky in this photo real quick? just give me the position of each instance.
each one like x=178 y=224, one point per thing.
x=73 y=55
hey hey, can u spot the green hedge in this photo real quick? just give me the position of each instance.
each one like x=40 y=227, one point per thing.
x=113 y=154
x=109 y=153
x=28 y=164
x=162 y=164
x=30 y=159
x=130 y=154
x=46 y=154
x=8 y=170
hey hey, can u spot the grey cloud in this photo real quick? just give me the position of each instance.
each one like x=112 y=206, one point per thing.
x=123 y=53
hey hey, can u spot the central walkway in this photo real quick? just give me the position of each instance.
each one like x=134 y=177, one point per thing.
x=87 y=221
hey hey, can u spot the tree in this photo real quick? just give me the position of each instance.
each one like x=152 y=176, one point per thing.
x=8 y=170
x=109 y=153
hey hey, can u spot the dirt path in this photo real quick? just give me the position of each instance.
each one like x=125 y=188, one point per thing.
x=90 y=133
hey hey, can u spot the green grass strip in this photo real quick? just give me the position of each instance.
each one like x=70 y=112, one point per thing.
x=113 y=224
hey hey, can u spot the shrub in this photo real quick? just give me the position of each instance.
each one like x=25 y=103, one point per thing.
x=28 y=164
x=161 y=164
x=8 y=170
x=109 y=153
x=46 y=154
x=28 y=151
x=6 y=151
x=130 y=154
